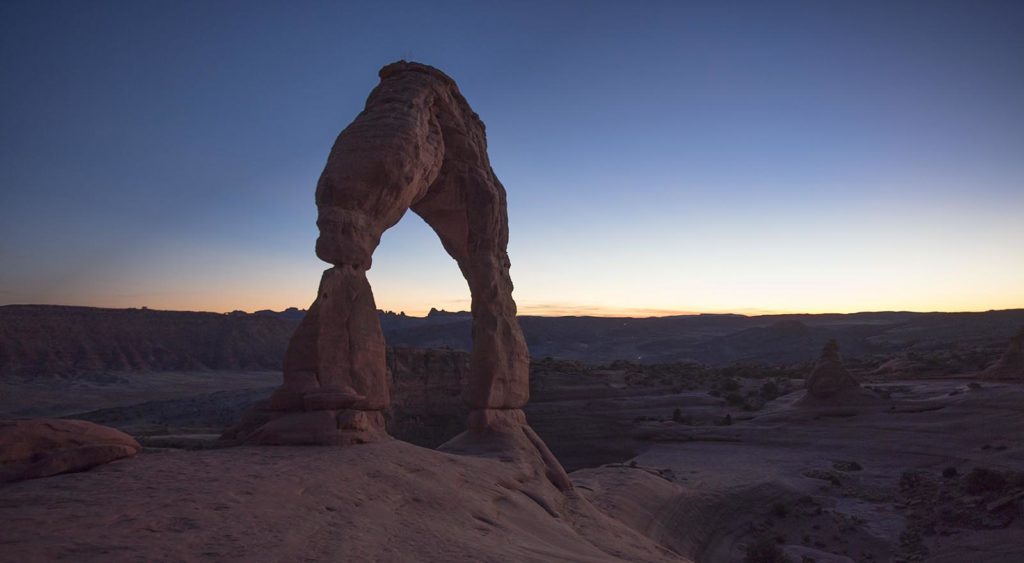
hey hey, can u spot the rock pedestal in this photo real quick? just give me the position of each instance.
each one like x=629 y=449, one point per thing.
x=417 y=145
x=1011 y=364
x=335 y=379
x=830 y=377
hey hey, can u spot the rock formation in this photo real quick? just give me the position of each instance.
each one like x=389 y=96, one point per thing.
x=830 y=378
x=1011 y=364
x=42 y=447
x=417 y=145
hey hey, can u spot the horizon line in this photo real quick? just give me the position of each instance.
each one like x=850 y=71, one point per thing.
x=579 y=312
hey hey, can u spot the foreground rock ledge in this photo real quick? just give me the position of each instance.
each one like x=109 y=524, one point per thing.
x=388 y=501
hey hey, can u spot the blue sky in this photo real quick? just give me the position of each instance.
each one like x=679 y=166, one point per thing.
x=659 y=157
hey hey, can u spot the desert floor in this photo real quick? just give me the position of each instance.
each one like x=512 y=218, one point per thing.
x=915 y=470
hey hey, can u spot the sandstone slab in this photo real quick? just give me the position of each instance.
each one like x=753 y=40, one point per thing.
x=36 y=448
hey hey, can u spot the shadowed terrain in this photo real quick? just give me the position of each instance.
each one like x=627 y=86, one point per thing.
x=57 y=340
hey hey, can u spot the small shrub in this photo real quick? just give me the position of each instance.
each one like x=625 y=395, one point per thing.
x=846 y=466
x=984 y=480
x=770 y=390
x=765 y=550
x=731 y=385
x=910 y=480
x=734 y=399
x=677 y=415
x=974 y=385
x=950 y=472
x=780 y=510
x=727 y=421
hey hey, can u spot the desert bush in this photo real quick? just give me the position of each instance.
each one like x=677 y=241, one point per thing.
x=847 y=466
x=983 y=480
x=910 y=479
x=770 y=390
x=765 y=550
x=734 y=399
x=753 y=404
x=950 y=472
x=780 y=510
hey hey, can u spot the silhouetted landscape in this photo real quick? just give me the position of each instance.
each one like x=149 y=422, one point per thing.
x=271 y=290
x=42 y=340
x=628 y=431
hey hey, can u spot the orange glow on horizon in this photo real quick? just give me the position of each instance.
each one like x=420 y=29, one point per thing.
x=526 y=309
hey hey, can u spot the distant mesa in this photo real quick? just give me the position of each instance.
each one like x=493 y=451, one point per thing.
x=289 y=314
x=1011 y=364
x=442 y=314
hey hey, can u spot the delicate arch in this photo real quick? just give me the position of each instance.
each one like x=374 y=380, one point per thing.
x=417 y=145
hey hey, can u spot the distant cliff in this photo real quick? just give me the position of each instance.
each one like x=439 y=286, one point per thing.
x=43 y=340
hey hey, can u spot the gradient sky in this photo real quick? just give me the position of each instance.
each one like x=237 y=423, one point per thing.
x=659 y=157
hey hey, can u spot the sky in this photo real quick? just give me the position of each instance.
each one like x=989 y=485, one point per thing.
x=660 y=157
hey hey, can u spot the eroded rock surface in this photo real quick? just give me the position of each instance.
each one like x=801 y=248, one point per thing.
x=43 y=447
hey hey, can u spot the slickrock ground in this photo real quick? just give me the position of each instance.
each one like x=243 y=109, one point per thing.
x=389 y=501
x=810 y=480
x=908 y=479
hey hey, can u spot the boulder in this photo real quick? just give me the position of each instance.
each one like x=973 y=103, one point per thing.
x=42 y=447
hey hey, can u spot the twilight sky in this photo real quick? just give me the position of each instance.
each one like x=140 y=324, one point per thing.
x=659 y=157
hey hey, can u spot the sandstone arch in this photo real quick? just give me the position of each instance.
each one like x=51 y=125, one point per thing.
x=417 y=145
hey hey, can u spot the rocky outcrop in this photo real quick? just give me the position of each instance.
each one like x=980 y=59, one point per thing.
x=830 y=379
x=43 y=447
x=1011 y=364
x=417 y=145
